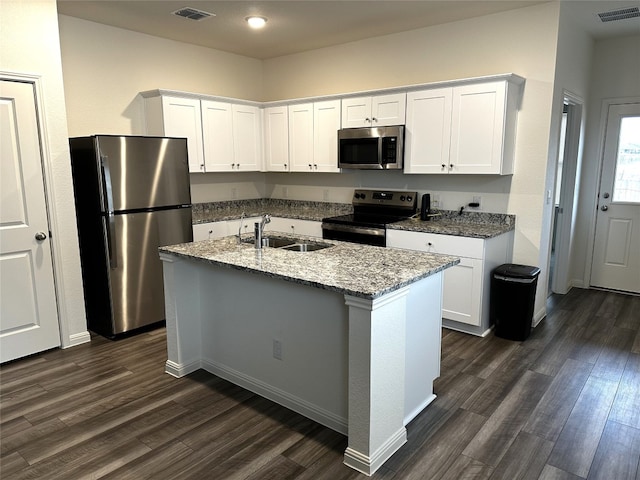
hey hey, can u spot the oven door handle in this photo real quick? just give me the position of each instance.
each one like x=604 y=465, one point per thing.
x=378 y=232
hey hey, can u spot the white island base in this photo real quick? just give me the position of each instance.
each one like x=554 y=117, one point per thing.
x=362 y=367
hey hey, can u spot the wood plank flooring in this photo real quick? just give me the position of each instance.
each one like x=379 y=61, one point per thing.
x=565 y=404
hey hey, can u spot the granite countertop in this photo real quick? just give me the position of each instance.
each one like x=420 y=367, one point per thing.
x=298 y=209
x=348 y=268
x=474 y=225
x=444 y=222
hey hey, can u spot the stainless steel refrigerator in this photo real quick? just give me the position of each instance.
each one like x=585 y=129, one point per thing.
x=132 y=195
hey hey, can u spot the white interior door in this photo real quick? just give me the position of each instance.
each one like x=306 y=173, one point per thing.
x=28 y=310
x=616 y=252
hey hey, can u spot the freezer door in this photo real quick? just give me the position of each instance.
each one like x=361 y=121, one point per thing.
x=135 y=275
x=143 y=172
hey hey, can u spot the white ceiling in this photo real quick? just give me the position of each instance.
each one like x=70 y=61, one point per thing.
x=295 y=26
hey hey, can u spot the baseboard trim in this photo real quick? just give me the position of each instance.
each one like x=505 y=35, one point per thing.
x=369 y=464
x=297 y=404
x=177 y=370
x=419 y=409
x=77 y=339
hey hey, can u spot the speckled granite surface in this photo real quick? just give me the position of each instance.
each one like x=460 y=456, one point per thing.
x=469 y=224
x=447 y=222
x=301 y=210
x=348 y=268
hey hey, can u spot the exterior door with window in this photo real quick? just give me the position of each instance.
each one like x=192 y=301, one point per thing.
x=28 y=308
x=616 y=252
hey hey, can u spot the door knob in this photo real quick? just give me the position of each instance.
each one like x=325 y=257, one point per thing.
x=604 y=208
x=40 y=236
x=605 y=195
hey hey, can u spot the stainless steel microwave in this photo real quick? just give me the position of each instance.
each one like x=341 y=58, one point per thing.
x=371 y=148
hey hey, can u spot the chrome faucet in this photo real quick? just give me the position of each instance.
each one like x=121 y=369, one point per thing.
x=240 y=227
x=258 y=229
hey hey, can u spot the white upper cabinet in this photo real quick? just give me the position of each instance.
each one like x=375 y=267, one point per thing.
x=481 y=133
x=427 y=136
x=326 y=123
x=313 y=136
x=217 y=129
x=301 y=137
x=374 y=111
x=221 y=136
x=169 y=116
x=466 y=129
x=276 y=138
x=247 y=137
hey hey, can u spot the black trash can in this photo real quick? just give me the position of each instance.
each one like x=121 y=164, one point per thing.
x=513 y=292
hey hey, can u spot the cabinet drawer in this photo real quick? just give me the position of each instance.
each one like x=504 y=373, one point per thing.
x=436 y=243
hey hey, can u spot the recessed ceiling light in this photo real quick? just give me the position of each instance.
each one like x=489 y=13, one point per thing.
x=256 y=22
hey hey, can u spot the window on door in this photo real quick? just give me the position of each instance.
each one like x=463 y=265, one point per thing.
x=626 y=185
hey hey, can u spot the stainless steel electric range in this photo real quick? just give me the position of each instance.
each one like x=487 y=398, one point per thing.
x=373 y=210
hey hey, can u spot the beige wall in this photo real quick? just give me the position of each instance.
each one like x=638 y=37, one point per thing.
x=573 y=61
x=105 y=68
x=520 y=41
x=101 y=99
x=29 y=45
x=615 y=74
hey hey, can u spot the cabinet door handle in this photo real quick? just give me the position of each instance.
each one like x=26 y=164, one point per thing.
x=374 y=119
x=367 y=120
x=444 y=166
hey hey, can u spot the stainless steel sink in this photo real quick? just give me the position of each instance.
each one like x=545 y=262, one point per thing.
x=291 y=244
x=306 y=247
x=274 y=242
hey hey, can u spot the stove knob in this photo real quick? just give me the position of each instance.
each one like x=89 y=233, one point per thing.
x=402 y=198
x=409 y=198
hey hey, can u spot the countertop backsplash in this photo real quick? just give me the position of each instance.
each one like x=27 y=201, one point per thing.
x=471 y=224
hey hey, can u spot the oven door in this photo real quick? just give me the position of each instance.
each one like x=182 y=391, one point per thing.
x=355 y=234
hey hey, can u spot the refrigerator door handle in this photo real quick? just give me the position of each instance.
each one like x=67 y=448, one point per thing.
x=107 y=195
x=110 y=228
x=110 y=240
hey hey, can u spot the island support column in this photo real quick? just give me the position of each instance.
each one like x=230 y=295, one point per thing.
x=377 y=341
x=183 y=317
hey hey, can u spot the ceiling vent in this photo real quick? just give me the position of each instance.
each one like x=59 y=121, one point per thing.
x=193 y=13
x=621 y=14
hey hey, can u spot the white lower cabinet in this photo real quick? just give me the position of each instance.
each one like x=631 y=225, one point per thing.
x=224 y=228
x=295 y=226
x=465 y=302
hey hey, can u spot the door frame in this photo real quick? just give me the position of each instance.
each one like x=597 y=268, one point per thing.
x=52 y=222
x=602 y=130
x=573 y=144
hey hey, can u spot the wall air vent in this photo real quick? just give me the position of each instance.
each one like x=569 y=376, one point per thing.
x=620 y=14
x=193 y=13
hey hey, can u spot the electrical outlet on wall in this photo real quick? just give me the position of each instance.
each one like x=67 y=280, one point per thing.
x=285 y=192
x=277 y=349
x=325 y=195
x=477 y=199
x=435 y=201
x=234 y=194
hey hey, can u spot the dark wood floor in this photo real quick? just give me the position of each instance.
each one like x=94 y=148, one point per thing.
x=565 y=404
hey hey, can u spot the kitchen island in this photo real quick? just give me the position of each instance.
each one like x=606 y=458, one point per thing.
x=348 y=335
